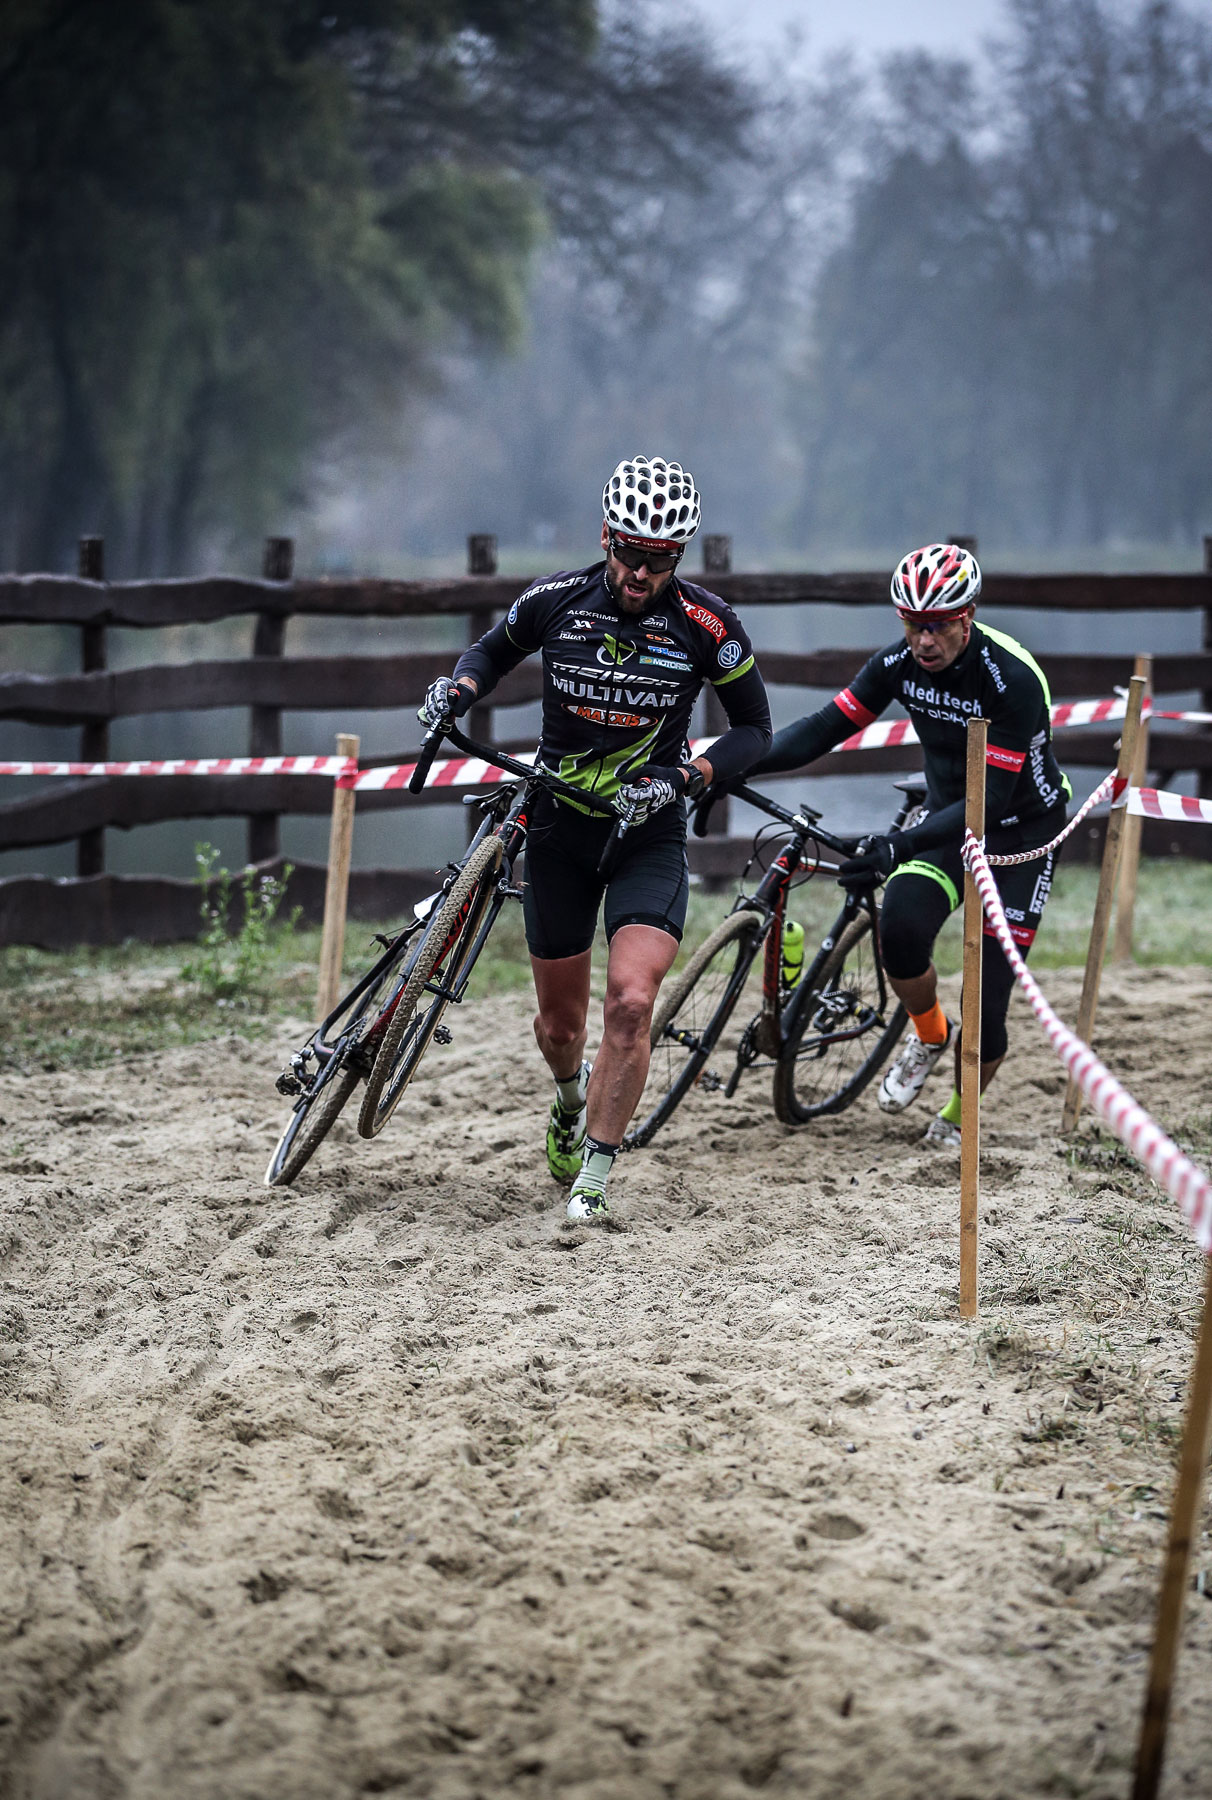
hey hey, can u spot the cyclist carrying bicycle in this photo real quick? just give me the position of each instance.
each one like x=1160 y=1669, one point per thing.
x=947 y=670
x=627 y=646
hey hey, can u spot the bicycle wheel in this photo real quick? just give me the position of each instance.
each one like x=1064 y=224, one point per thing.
x=314 y=1116
x=315 y=1112
x=690 y=1016
x=443 y=947
x=837 y=1037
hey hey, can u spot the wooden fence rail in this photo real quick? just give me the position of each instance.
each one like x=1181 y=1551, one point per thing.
x=338 y=683
x=269 y=682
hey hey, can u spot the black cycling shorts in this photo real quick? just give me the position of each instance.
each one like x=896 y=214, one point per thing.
x=562 y=891
x=921 y=895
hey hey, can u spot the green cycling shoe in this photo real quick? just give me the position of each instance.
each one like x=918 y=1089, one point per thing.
x=566 y=1137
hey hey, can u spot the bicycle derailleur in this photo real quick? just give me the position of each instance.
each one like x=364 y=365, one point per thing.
x=296 y=1077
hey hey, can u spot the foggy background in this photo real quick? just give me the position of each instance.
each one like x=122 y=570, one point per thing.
x=381 y=277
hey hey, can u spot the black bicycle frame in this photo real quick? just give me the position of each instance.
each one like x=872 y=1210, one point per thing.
x=769 y=1032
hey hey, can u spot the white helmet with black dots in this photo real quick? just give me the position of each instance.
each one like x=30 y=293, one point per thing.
x=655 y=500
x=939 y=578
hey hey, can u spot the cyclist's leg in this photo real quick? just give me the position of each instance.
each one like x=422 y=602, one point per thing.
x=645 y=912
x=640 y=958
x=560 y=900
x=561 y=986
x=1024 y=890
x=561 y=896
x=919 y=898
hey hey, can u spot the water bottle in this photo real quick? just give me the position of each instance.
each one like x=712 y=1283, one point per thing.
x=793 y=952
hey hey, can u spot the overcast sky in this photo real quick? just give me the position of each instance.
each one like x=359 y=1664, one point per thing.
x=871 y=25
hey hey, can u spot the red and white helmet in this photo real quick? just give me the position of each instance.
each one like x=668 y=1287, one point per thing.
x=941 y=578
x=652 y=502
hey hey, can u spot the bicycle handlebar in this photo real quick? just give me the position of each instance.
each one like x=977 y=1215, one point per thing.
x=805 y=821
x=424 y=762
x=500 y=759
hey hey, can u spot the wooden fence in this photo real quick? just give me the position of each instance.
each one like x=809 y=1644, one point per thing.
x=96 y=907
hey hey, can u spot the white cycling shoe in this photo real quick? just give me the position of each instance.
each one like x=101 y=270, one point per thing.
x=906 y=1077
x=941 y=1134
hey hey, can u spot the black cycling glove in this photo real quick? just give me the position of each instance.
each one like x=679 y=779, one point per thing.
x=873 y=864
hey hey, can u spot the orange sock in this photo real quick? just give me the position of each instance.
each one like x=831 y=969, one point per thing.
x=931 y=1026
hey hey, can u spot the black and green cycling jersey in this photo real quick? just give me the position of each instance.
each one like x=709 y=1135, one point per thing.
x=619 y=689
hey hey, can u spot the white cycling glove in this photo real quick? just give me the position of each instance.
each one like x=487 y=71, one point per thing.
x=651 y=792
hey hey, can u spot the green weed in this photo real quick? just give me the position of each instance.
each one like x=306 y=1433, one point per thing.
x=225 y=964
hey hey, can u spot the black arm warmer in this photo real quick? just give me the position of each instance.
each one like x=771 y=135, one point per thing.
x=804 y=741
x=744 y=701
x=946 y=826
x=492 y=656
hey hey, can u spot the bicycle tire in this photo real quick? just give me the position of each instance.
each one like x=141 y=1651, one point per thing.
x=309 y=1124
x=812 y=1082
x=451 y=929
x=698 y=1002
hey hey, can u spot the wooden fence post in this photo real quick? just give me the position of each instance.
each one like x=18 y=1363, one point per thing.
x=336 y=887
x=1204 y=788
x=478 y=722
x=265 y=722
x=94 y=737
x=1125 y=910
x=970 y=1040
x=1106 y=893
x=1184 y=1523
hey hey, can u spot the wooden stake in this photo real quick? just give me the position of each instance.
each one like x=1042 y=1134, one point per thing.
x=1121 y=949
x=1106 y=894
x=970 y=1039
x=1184 y=1522
x=336 y=889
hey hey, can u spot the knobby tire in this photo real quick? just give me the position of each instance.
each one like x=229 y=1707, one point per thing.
x=310 y=1123
x=810 y=1083
x=443 y=946
x=724 y=959
x=314 y=1116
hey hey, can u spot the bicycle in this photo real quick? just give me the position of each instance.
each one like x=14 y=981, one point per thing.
x=827 y=1033
x=380 y=1030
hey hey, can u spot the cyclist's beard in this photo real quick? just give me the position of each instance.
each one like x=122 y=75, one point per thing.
x=625 y=605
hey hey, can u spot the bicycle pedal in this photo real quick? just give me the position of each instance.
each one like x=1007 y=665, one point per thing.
x=288 y=1083
x=443 y=1035
x=710 y=1082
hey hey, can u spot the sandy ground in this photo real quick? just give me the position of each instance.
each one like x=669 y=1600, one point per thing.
x=391 y=1485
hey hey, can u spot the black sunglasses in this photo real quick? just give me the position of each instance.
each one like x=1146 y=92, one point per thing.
x=632 y=557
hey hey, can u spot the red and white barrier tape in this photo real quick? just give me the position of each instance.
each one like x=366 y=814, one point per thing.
x=1110 y=787
x=1152 y=803
x=191 y=765
x=882 y=734
x=1184 y=1180
x=886 y=733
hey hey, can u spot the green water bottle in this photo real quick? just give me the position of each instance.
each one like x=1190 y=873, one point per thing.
x=793 y=952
